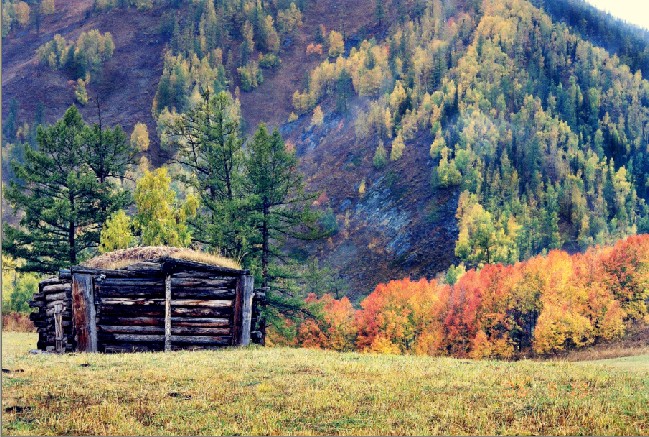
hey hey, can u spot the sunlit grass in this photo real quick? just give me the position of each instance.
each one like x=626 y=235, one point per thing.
x=124 y=257
x=296 y=391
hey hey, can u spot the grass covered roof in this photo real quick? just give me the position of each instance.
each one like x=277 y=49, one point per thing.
x=124 y=257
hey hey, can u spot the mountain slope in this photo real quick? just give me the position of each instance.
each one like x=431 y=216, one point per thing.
x=537 y=135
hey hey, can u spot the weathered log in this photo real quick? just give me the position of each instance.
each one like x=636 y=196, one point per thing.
x=175 y=265
x=188 y=293
x=136 y=321
x=128 y=348
x=130 y=301
x=246 y=309
x=131 y=310
x=183 y=330
x=65 y=274
x=236 y=318
x=196 y=274
x=138 y=337
x=126 y=329
x=201 y=312
x=154 y=330
x=49 y=281
x=194 y=347
x=66 y=312
x=55 y=288
x=206 y=282
x=84 y=312
x=118 y=273
x=56 y=297
x=58 y=327
x=137 y=282
x=49 y=325
x=201 y=340
x=51 y=303
x=206 y=322
x=168 y=313
x=131 y=291
x=201 y=303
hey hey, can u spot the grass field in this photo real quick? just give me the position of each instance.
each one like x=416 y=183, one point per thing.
x=292 y=391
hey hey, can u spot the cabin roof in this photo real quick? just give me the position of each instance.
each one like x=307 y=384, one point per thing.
x=123 y=258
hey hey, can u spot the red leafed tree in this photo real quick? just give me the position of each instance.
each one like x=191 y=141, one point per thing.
x=401 y=316
x=627 y=269
x=335 y=328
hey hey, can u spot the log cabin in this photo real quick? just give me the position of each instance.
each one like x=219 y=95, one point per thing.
x=148 y=299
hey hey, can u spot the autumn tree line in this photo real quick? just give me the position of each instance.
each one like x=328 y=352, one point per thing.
x=545 y=305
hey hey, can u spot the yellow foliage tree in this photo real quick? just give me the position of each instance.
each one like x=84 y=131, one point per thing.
x=336 y=44
x=116 y=233
x=140 y=137
x=318 y=116
x=22 y=10
x=47 y=7
x=397 y=148
x=159 y=220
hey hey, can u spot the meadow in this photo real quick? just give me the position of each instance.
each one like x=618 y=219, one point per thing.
x=311 y=392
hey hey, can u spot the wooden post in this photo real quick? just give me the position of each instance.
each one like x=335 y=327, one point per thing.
x=58 y=326
x=168 y=313
x=84 y=316
x=246 y=309
x=236 y=316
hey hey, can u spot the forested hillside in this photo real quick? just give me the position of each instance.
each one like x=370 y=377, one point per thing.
x=429 y=133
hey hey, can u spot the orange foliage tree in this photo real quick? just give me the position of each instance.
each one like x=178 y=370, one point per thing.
x=544 y=305
x=401 y=316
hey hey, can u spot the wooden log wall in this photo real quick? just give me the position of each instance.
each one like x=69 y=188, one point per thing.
x=132 y=312
x=53 y=318
x=146 y=308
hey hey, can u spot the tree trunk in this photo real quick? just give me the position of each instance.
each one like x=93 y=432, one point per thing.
x=71 y=232
x=264 y=245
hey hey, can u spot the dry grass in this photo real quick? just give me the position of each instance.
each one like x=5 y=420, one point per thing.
x=122 y=258
x=16 y=322
x=634 y=342
x=275 y=391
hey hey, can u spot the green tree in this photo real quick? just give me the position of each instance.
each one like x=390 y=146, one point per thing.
x=279 y=207
x=380 y=156
x=116 y=233
x=160 y=220
x=65 y=190
x=208 y=143
x=26 y=286
x=379 y=12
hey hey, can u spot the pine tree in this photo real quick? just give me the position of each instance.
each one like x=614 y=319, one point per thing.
x=65 y=190
x=208 y=141
x=380 y=156
x=278 y=204
x=379 y=12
